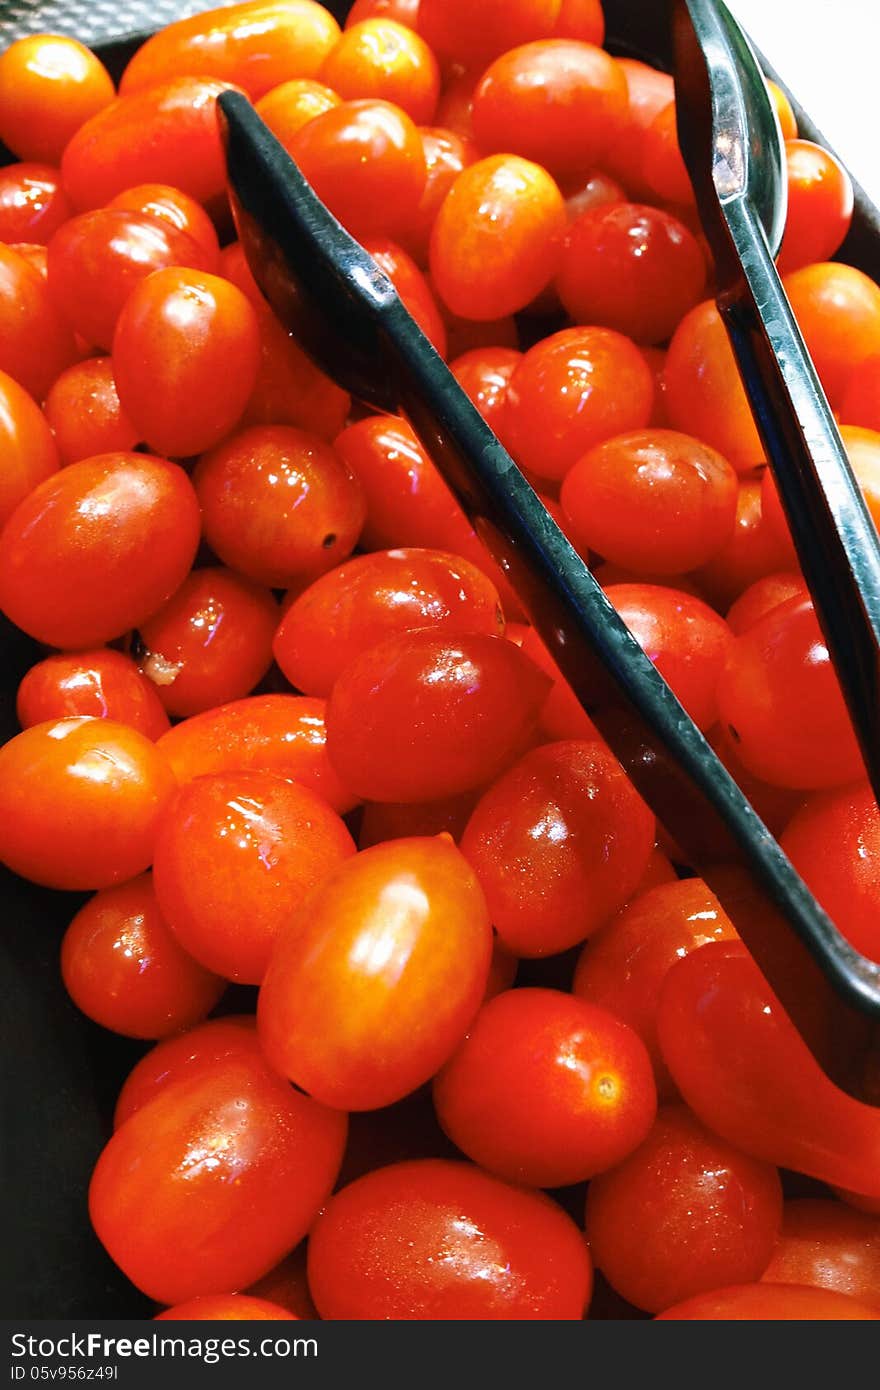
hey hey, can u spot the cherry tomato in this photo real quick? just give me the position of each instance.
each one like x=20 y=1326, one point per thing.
x=558 y=843
x=457 y=100
x=742 y=1066
x=685 y=1214
x=28 y=451
x=183 y=1056
x=704 y=395
x=167 y=133
x=371 y=597
x=820 y=205
x=424 y=715
x=497 y=237
x=838 y=312
x=227 y=1169
x=622 y=966
x=449 y=27
x=630 y=267
x=784 y=111
x=655 y=500
x=84 y=411
x=230 y=1307
x=769 y=1303
x=863 y=449
x=662 y=166
x=446 y=154
x=755 y=549
x=760 y=598
x=103 y=683
x=484 y=373
x=381 y=58
x=278 y=504
x=242 y=837
x=123 y=967
x=546 y=1089
x=780 y=699
x=366 y=161
x=35 y=342
x=32 y=203
x=433 y=1239
x=827 y=1246
x=861 y=400
x=559 y=102
x=775 y=805
x=571 y=391
x=686 y=640
x=285 y=734
x=401 y=820
x=49 y=87
x=411 y=285
x=185 y=356
x=834 y=843
x=255 y=44
x=581 y=19
x=97 y=259
x=210 y=643
x=403 y=11
x=291 y=105
x=649 y=92
x=177 y=209
x=96 y=548
x=562 y=714
x=379 y=975
x=81 y=801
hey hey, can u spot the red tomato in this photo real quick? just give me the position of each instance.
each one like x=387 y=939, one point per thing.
x=285 y=734
x=581 y=19
x=558 y=843
x=377 y=979
x=559 y=102
x=774 y=1303
x=123 y=967
x=227 y=1169
x=424 y=715
x=85 y=414
x=210 y=643
x=28 y=451
x=649 y=92
x=820 y=205
x=704 y=396
x=185 y=356
x=654 y=500
x=546 y=1090
x=371 y=597
x=780 y=698
x=742 y=1066
x=497 y=237
x=382 y=58
x=230 y=1307
x=404 y=11
x=622 y=966
x=278 y=504
x=838 y=312
x=449 y=27
x=102 y=683
x=484 y=373
x=828 y=1246
x=411 y=285
x=754 y=550
x=98 y=547
x=437 y=1240
x=760 y=598
x=49 y=86
x=177 y=209
x=863 y=449
x=32 y=203
x=290 y=106
x=446 y=154
x=662 y=166
x=585 y=191
x=861 y=400
x=242 y=837
x=684 y=1214
x=183 y=1056
x=256 y=44
x=81 y=801
x=572 y=391
x=775 y=805
x=35 y=342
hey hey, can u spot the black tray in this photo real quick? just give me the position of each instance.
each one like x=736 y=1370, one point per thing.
x=62 y=1073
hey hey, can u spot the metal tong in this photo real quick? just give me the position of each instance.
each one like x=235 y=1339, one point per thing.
x=347 y=315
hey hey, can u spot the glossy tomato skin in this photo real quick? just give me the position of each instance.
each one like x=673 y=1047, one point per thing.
x=123 y=967
x=380 y=57
x=820 y=205
x=649 y=91
x=448 y=27
x=242 y=837
x=704 y=396
x=662 y=166
x=278 y=504
x=571 y=391
x=484 y=374
x=32 y=203
x=497 y=237
x=412 y=286
x=210 y=643
x=98 y=547
x=35 y=342
x=186 y=351
x=623 y=966
x=753 y=550
x=373 y=985
x=291 y=105
x=29 y=452
x=102 y=683
x=424 y=715
x=558 y=843
x=49 y=86
x=176 y=209
x=838 y=312
x=275 y=1157
x=684 y=1214
x=256 y=44
x=827 y=1245
x=371 y=597
x=183 y=1055
x=85 y=413
x=433 y=1239
x=773 y=1303
x=230 y=1307
x=446 y=154
x=81 y=802
x=546 y=1090
x=760 y=598
x=285 y=734
x=165 y=134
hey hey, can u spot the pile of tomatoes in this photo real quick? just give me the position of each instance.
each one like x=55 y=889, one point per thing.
x=291 y=730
